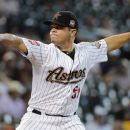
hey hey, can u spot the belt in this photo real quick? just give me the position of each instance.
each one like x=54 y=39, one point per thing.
x=39 y=113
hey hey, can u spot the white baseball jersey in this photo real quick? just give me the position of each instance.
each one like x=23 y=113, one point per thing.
x=57 y=78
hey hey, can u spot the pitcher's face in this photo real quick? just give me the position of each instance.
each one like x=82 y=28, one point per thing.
x=59 y=35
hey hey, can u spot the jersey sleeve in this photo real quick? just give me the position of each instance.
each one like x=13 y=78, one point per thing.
x=96 y=52
x=37 y=51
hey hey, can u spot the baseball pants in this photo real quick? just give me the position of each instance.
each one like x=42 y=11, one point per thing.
x=32 y=121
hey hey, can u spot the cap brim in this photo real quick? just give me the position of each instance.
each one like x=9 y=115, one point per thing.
x=49 y=23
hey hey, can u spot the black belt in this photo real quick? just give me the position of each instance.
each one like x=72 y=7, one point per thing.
x=39 y=113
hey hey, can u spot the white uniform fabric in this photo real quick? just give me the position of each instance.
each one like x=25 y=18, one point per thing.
x=32 y=121
x=57 y=79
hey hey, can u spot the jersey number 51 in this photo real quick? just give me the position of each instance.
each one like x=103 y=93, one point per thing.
x=76 y=92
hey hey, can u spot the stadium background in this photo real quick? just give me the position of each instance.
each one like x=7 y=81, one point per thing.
x=105 y=99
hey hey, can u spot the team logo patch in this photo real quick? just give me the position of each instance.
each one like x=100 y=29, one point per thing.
x=96 y=43
x=34 y=42
x=55 y=17
x=72 y=23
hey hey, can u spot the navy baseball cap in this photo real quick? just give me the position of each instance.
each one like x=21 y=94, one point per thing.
x=64 y=19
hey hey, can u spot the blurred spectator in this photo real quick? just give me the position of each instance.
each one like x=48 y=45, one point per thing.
x=3 y=89
x=100 y=120
x=12 y=99
x=117 y=125
x=126 y=120
x=126 y=125
x=9 y=7
x=7 y=122
x=88 y=31
x=106 y=27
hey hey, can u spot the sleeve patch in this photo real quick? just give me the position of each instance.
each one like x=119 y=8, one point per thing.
x=34 y=42
x=96 y=43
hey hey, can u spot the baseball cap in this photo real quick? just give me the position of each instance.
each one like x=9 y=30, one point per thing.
x=63 y=18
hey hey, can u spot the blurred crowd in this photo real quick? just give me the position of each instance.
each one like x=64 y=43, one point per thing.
x=105 y=99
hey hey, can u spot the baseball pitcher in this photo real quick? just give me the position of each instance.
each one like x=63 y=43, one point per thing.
x=59 y=72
